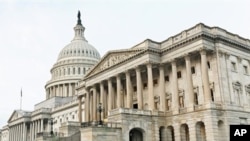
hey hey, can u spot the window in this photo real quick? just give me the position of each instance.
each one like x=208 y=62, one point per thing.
x=155 y=82
x=79 y=70
x=179 y=74
x=196 y=102
x=245 y=69
x=74 y=70
x=212 y=94
x=233 y=66
x=167 y=78
x=208 y=64
x=84 y=70
x=135 y=89
x=193 y=70
x=145 y=85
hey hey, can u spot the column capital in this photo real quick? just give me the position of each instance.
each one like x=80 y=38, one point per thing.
x=149 y=64
x=187 y=56
x=203 y=51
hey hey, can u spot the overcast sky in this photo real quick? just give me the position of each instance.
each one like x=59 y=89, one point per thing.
x=32 y=33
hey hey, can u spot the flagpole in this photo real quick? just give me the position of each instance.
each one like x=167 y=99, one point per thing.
x=21 y=100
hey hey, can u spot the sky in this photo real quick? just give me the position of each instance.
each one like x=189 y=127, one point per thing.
x=32 y=33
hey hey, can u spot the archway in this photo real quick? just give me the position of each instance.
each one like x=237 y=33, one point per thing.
x=200 y=131
x=135 y=135
x=170 y=133
x=184 y=132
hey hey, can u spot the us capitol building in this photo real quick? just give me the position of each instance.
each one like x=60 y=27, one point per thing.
x=189 y=87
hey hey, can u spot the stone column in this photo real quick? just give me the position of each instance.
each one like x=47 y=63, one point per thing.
x=150 y=88
x=70 y=90
x=190 y=87
x=129 y=93
x=175 y=95
x=80 y=108
x=21 y=131
x=205 y=80
x=33 y=131
x=65 y=90
x=94 y=104
x=102 y=98
x=41 y=125
x=86 y=106
x=24 y=132
x=109 y=94
x=91 y=106
x=118 y=85
x=31 y=128
x=162 y=89
x=139 y=88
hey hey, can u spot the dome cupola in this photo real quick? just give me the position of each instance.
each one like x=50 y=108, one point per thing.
x=73 y=62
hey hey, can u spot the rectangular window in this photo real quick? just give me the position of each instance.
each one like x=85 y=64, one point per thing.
x=145 y=85
x=212 y=94
x=193 y=70
x=208 y=64
x=233 y=66
x=167 y=78
x=245 y=69
x=196 y=102
x=135 y=89
x=179 y=74
x=155 y=82
x=79 y=70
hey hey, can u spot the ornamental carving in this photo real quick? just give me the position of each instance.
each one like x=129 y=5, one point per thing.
x=112 y=59
x=247 y=87
x=237 y=86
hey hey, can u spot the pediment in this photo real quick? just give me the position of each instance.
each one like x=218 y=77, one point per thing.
x=112 y=58
x=17 y=114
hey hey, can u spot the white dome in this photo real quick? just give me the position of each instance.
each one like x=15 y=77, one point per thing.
x=73 y=62
x=78 y=49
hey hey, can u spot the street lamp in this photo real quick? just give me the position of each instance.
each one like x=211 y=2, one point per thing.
x=100 y=109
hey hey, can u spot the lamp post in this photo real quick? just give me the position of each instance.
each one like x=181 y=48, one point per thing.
x=100 y=109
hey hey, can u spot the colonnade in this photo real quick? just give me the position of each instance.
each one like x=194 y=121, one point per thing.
x=115 y=93
x=37 y=126
x=18 y=132
x=27 y=131
x=62 y=90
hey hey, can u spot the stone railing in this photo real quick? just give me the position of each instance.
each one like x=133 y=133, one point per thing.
x=103 y=124
x=199 y=29
x=135 y=112
x=42 y=110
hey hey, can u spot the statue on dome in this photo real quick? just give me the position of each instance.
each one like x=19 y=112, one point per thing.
x=79 y=22
x=79 y=15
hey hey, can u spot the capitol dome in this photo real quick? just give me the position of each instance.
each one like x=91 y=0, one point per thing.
x=73 y=62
